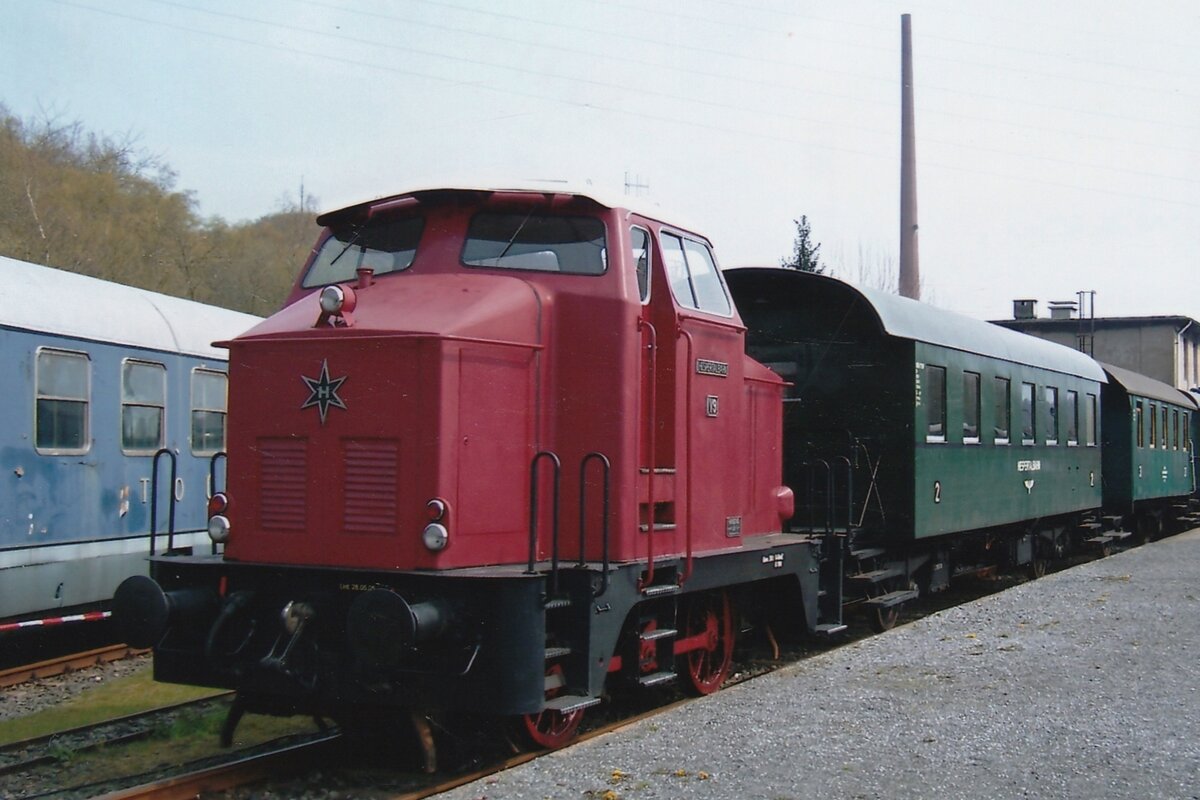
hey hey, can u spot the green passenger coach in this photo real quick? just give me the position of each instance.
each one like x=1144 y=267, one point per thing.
x=934 y=443
x=1148 y=469
x=958 y=425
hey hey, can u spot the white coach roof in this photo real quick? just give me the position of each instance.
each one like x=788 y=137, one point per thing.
x=38 y=298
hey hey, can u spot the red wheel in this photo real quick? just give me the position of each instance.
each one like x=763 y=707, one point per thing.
x=549 y=728
x=708 y=635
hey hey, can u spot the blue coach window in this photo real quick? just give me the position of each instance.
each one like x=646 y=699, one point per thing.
x=62 y=391
x=143 y=406
x=209 y=389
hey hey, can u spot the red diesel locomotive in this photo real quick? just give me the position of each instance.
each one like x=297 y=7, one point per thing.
x=498 y=450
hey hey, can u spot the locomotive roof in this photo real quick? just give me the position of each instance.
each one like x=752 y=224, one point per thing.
x=636 y=205
x=909 y=319
x=37 y=298
x=1142 y=386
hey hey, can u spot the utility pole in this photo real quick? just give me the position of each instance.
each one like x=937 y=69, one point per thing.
x=910 y=273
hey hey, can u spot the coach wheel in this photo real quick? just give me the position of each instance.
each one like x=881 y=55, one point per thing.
x=1038 y=566
x=1149 y=526
x=708 y=623
x=550 y=728
x=885 y=618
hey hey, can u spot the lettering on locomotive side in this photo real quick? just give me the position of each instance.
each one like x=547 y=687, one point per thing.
x=1029 y=466
x=717 y=369
x=356 y=587
x=774 y=560
x=733 y=526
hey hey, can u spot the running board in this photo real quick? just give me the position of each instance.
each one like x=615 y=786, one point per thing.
x=892 y=598
x=828 y=629
x=566 y=703
x=657 y=678
x=877 y=575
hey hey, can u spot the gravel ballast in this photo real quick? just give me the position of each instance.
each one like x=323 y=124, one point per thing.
x=1080 y=684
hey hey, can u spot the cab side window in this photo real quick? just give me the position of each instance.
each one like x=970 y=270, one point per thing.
x=639 y=243
x=692 y=274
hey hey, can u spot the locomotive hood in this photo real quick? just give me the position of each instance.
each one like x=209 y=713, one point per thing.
x=472 y=306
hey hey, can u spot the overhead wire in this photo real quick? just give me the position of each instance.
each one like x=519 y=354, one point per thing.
x=594 y=106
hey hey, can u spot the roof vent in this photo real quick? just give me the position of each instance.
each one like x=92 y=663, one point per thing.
x=1062 y=309
x=1024 y=309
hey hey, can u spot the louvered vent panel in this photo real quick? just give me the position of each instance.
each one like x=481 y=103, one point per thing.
x=284 y=467
x=370 y=491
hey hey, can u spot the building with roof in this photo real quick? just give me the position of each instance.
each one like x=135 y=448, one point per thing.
x=1166 y=348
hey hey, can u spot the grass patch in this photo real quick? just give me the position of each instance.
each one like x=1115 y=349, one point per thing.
x=106 y=700
x=192 y=737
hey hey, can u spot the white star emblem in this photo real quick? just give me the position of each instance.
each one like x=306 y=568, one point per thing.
x=324 y=391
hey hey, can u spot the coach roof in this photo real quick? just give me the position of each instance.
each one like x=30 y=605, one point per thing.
x=81 y=307
x=908 y=319
x=1138 y=384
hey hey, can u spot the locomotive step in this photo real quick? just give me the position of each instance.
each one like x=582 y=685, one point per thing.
x=829 y=628
x=1091 y=526
x=877 y=575
x=892 y=598
x=556 y=602
x=566 y=703
x=657 y=633
x=867 y=552
x=660 y=589
x=657 y=678
x=557 y=652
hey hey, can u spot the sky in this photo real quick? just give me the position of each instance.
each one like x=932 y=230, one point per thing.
x=1058 y=144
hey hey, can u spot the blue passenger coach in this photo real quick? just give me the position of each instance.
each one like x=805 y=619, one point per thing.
x=98 y=378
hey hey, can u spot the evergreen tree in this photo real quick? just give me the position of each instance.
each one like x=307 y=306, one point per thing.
x=804 y=251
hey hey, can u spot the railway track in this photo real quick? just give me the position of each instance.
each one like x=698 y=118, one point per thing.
x=307 y=766
x=68 y=663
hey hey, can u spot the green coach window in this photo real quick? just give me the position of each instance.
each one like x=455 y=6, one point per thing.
x=1166 y=437
x=1089 y=421
x=1028 y=428
x=1052 y=414
x=970 y=408
x=1072 y=415
x=1153 y=426
x=1001 y=409
x=1139 y=422
x=935 y=403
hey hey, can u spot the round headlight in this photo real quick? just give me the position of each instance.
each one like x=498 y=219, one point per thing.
x=332 y=299
x=435 y=536
x=218 y=503
x=218 y=528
